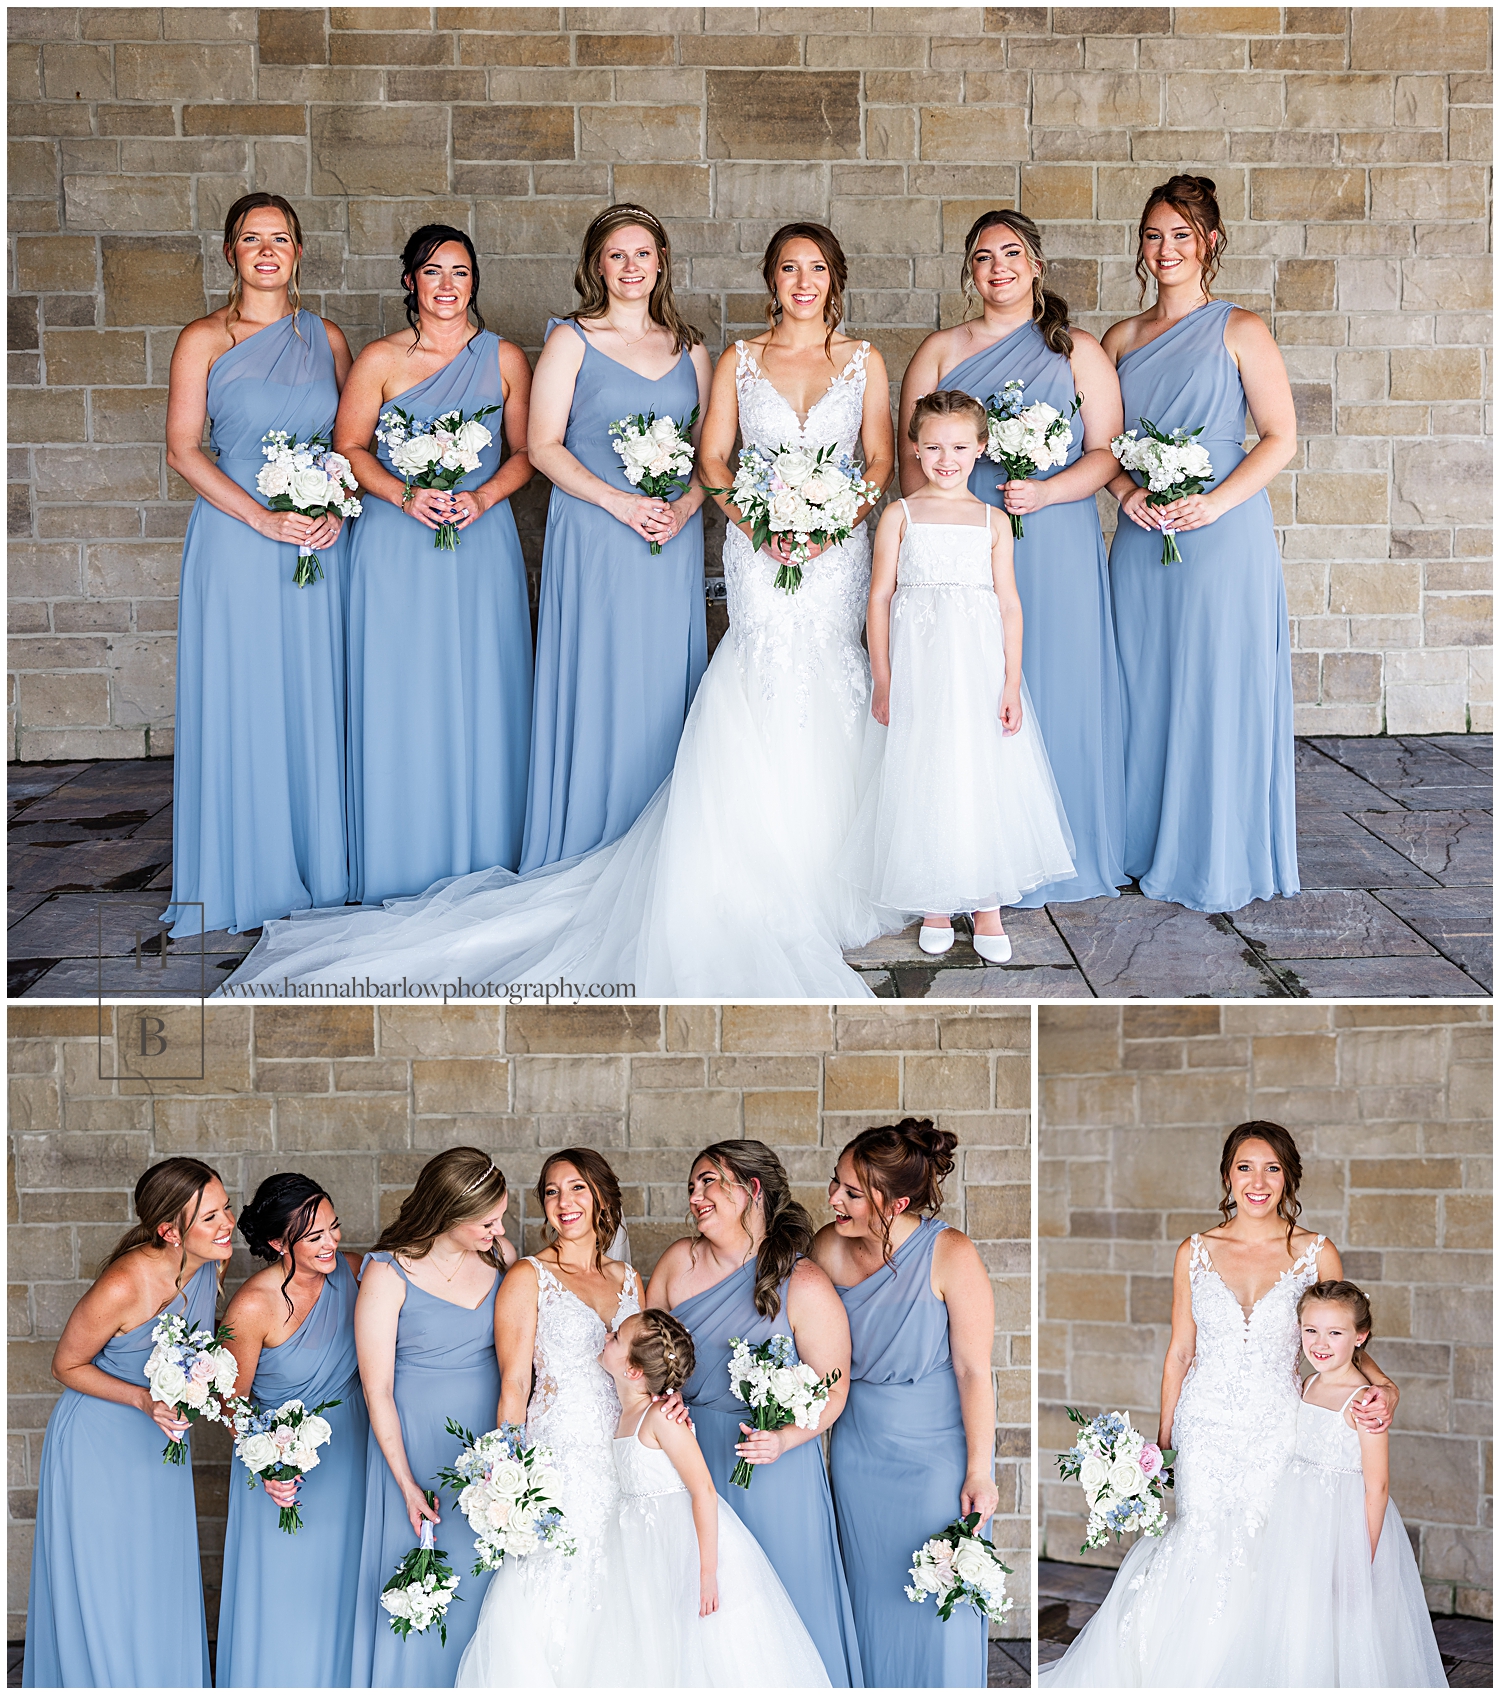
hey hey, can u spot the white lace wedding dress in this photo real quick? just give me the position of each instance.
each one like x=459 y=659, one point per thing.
x=1176 y=1613
x=539 y=1614
x=726 y=885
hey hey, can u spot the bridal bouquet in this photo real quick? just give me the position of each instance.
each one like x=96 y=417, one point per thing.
x=777 y=1387
x=958 y=1565
x=417 y=1597
x=310 y=478
x=192 y=1372
x=811 y=494
x=1173 y=465
x=435 y=452
x=281 y=1446
x=1027 y=439
x=508 y=1493
x=658 y=454
x=1122 y=1475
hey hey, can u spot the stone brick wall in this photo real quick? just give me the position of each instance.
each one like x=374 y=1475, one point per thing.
x=1350 y=149
x=1390 y=1108
x=361 y=1100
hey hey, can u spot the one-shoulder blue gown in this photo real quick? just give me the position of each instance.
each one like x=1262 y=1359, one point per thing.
x=116 y=1589
x=287 y=1613
x=1068 y=654
x=445 y=1368
x=621 y=640
x=898 y=1460
x=258 y=763
x=788 y=1507
x=439 y=672
x=1205 y=657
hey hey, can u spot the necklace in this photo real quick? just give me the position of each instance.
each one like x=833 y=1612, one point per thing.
x=619 y=332
x=456 y=1269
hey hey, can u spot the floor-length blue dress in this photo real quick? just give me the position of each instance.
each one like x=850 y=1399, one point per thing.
x=116 y=1589
x=1205 y=656
x=445 y=1368
x=621 y=640
x=287 y=1613
x=788 y=1507
x=1068 y=654
x=258 y=762
x=439 y=672
x=899 y=1457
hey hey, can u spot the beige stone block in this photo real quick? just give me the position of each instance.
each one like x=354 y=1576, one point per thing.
x=776 y=1029
x=376 y=48
x=1470 y=134
x=949 y=1081
x=770 y=191
x=1089 y=1101
x=782 y=115
x=67 y=698
x=572 y=1084
x=294 y=36
x=1441 y=482
x=391 y=151
x=382 y=226
x=1295 y=193
x=1294 y=1061
x=1092 y=1296
x=1078 y=1039
x=1123 y=189
x=1193 y=1098
x=538 y=226
x=223 y=1039
x=856 y=1082
x=88 y=357
x=1096 y=99
x=983 y=1030
x=1454 y=191
x=781 y=1116
x=314 y=1032
x=999 y=1212
x=681 y=190
x=1436 y=373
x=684 y=1118
x=1406 y=1174
x=1305 y=285
x=1409 y=38
x=907 y=225
x=637 y=132
x=213 y=1127
x=1229 y=20
x=582 y=1030
x=1114 y=20
x=106 y=202
x=1349 y=497
x=973 y=133
x=512 y=49
x=183 y=71
x=655 y=1071
x=367 y=1076
x=722 y=50
x=153 y=281
x=74 y=71
x=1057 y=191
x=1294 y=54
x=1445 y=285
x=1352 y=678
x=1384 y=1221
x=46 y=416
x=763 y=1072
x=1220 y=102
x=142 y=681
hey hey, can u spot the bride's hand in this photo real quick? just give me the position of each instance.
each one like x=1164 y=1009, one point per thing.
x=780 y=548
x=1374 y=1410
x=978 y=1495
x=418 y=1508
x=673 y=1407
x=760 y=1447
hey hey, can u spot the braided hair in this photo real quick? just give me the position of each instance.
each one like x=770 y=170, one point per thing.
x=661 y=1349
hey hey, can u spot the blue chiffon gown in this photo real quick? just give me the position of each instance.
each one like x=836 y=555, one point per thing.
x=258 y=766
x=1068 y=654
x=621 y=641
x=116 y=1589
x=445 y=1368
x=287 y=1613
x=788 y=1507
x=898 y=1461
x=1205 y=657
x=439 y=672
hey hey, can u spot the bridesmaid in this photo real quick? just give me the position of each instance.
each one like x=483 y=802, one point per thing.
x=1205 y=657
x=1061 y=571
x=116 y=1589
x=258 y=771
x=922 y=1320
x=439 y=642
x=287 y=1613
x=424 y=1326
x=621 y=639
x=745 y=1274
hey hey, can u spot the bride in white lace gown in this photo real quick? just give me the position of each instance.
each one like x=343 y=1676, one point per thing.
x=726 y=884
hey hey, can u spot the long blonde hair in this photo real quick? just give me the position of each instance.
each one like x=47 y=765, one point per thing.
x=588 y=281
x=234 y=222
x=455 y=1186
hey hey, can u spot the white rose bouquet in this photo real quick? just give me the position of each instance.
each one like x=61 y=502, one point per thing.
x=1122 y=1476
x=1027 y=439
x=281 y=1446
x=418 y=1595
x=811 y=494
x=435 y=452
x=658 y=454
x=192 y=1372
x=958 y=1565
x=777 y=1387
x=508 y=1492
x=310 y=478
x=1173 y=466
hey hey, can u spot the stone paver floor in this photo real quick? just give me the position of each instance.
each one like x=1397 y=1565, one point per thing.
x=1393 y=840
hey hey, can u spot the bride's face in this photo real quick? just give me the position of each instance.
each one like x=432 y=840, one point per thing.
x=802 y=281
x=856 y=1212
x=569 y=1204
x=1256 y=1179
x=1328 y=1335
x=719 y=1206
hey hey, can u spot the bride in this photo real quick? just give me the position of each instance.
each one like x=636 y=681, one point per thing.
x=1229 y=1399
x=725 y=885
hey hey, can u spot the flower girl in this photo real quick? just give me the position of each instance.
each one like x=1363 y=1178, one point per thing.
x=1340 y=1602
x=691 y=1601
x=962 y=814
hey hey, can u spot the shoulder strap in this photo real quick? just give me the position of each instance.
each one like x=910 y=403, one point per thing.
x=1354 y=1397
x=383 y=1256
x=1198 y=1256
x=905 y=508
x=642 y=1419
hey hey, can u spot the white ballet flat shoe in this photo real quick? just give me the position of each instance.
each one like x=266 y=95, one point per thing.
x=996 y=949
x=935 y=940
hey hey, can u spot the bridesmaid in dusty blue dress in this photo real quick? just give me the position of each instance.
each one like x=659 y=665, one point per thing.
x=915 y=1447
x=621 y=637
x=741 y=1203
x=1205 y=656
x=439 y=641
x=425 y=1328
x=1061 y=570
x=258 y=771
x=116 y=1589
x=287 y=1612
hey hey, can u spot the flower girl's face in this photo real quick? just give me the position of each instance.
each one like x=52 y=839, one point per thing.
x=1256 y=1179
x=318 y=1250
x=1328 y=1335
x=211 y=1233
x=802 y=281
x=614 y=1356
x=1170 y=247
x=569 y=1204
x=1002 y=269
x=630 y=263
x=444 y=284
x=946 y=450
x=265 y=250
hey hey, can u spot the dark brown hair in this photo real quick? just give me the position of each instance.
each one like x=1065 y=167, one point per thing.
x=661 y=1349
x=170 y=1192
x=1338 y=1291
x=420 y=247
x=827 y=243
x=1049 y=311
x=1279 y=1139
x=588 y=282
x=453 y=1187
x=789 y=1228
x=234 y=222
x=603 y=1185
x=283 y=1210
x=1196 y=198
x=902 y=1162
x=948 y=403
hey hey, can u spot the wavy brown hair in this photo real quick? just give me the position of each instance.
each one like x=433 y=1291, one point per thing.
x=902 y=1162
x=1197 y=199
x=455 y=1186
x=947 y=403
x=170 y=1192
x=603 y=1185
x=588 y=280
x=234 y=222
x=1279 y=1140
x=827 y=243
x=789 y=1227
x=1049 y=311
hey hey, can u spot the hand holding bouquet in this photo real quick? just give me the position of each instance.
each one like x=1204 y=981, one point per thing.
x=1174 y=466
x=193 y=1373
x=508 y=1492
x=1122 y=1475
x=310 y=478
x=1027 y=439
x=435 y=453
x=281 y=1446
x=958 y=1565
x=779 y=1389
x=658 y=454
x=418 y=1595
